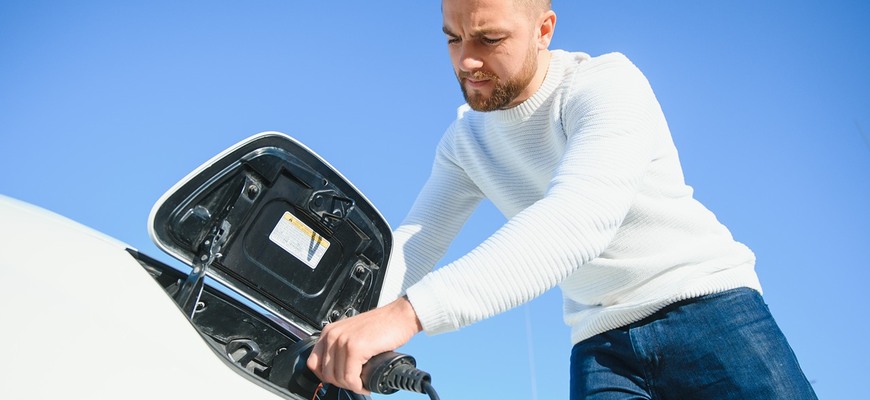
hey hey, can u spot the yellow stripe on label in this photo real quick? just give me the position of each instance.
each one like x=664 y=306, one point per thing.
x=305 y=229
x=298 y=239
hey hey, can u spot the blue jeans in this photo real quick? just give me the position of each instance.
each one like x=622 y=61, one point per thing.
x=720 y=346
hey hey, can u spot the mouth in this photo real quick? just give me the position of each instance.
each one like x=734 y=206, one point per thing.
x=472 y=83
x=476 y=80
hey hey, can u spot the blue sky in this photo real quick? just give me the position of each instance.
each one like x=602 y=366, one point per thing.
x=104 y=105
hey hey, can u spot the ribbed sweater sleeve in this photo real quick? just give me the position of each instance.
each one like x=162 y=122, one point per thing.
x=443 y=205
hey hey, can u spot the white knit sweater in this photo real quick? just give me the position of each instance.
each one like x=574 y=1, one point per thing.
x=589 y=179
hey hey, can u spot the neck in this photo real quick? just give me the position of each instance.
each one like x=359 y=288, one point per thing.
x=543 y=61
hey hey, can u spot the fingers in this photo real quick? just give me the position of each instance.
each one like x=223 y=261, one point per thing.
x=348 y=368
x=318 y=364
x=337 y=361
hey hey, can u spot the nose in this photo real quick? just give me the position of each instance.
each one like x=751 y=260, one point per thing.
x=469 y=59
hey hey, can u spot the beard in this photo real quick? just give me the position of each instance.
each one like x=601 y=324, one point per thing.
x=504 y=91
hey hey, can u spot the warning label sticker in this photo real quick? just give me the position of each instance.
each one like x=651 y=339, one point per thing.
x=299 y=239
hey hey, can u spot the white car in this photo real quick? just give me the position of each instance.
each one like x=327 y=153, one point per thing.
x=279 y=244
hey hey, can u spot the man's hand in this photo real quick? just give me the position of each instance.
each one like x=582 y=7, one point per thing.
x=345 y=345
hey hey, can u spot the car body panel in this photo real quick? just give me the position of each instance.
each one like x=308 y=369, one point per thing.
x=83 y=319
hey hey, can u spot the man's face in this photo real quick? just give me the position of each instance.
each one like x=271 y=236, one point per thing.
x=494 y=50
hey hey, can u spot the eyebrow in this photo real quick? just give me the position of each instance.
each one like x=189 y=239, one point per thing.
x=478 y=33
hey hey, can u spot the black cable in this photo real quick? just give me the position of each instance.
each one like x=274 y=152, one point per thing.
x=428 y=389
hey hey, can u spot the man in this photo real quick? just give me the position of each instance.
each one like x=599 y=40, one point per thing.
x=576 y=152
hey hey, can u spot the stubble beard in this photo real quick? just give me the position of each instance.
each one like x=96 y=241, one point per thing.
x=503 y=92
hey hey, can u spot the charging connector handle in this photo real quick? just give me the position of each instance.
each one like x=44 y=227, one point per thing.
x=389 y=372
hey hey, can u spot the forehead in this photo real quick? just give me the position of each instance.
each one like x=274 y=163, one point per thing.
x=471 y=16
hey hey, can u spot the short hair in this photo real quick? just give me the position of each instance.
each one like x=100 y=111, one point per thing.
x=536 y=6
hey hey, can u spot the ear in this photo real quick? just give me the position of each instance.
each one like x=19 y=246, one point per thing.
x=546 y=27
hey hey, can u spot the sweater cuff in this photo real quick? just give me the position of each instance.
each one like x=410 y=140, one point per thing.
x=433 y=316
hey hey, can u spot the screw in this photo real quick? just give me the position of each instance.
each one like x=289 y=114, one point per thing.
x=253 y=190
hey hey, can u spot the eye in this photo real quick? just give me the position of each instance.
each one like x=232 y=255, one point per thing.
x=452 y=39
x=491 y=41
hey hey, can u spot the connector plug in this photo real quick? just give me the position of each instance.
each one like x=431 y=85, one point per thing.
x=389 y=372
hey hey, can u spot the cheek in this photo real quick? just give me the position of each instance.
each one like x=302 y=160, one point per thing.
x=454 y=58
x=516 y=64
x=504 y=69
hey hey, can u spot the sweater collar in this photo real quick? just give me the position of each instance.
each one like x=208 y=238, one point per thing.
x=524 y=110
